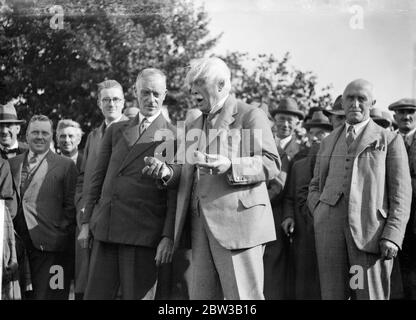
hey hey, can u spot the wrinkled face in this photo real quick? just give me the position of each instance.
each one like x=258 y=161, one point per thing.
x=406 y=119
x=151 y=92
x=285 y=124
x=357 y=101
x=68 y=140
x=111 y=103
x=39 y=136
x=316 y=135
x=206 y=94
x=8 y=134
x=337 y=120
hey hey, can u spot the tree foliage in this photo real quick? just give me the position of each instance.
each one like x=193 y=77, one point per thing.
x=56 y=71
x=266 y=79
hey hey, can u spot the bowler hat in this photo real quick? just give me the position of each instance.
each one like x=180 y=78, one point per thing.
x=336 y=108
x=288 y=106
x=405 y=103
x=8 y=114
x=319 y=120
x=378 y=117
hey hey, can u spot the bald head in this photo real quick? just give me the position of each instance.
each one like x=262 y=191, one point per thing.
x=357 y=100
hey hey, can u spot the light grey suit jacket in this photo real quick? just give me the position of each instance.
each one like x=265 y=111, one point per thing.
x=380 y=192
x=236 y=205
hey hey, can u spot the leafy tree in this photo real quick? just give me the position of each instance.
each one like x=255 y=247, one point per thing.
x=55 y=71
x=266 y=79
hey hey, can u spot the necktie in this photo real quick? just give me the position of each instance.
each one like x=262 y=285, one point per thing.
x=144 y=125
x=350 y=135
x=32 y=161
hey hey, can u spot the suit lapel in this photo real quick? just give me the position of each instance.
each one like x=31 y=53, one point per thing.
x=16 y=168
x=224 y=120
x=367 y=136
x=45 y=167
x=144 y=142
x=330 y=141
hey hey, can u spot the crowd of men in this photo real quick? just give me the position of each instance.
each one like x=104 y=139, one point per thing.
x=237 y=206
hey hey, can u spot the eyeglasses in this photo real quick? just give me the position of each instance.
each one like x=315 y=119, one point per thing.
x=108 y=100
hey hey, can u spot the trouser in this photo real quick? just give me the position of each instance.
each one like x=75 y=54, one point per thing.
x=130 y=268
x=218 y=272
x=344 y=270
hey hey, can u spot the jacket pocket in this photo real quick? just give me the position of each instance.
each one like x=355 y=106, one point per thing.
x=249 y=202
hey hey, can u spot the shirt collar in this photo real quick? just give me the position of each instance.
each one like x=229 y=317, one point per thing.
x=14 y=146
x=358 y=127
x=114 y=121
x=284 y=142
x=40 y=155
x=150 y=119
x=408 y=137
x=75 y=157
x=219 y=105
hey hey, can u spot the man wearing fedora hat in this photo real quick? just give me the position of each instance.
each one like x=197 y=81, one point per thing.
x=405 y=115
x=9 y=129
x=336 y=115
x=277 y=278
x=296 y=215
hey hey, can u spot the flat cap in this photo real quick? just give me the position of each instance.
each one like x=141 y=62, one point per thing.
x=403 y=103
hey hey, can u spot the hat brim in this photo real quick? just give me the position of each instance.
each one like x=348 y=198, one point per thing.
x=13 y=121
x=300 y=115
x=325 y=126
x=382 y=122
x=402 y=106
x=334 y=112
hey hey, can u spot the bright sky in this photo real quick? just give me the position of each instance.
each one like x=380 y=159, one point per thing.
x=319 y=37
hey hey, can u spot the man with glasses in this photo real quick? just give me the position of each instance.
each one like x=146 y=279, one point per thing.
x=405 y=115
x=111 y=103
x=277 y=280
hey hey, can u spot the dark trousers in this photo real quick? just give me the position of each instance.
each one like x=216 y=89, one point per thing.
x=50 y=275
x=130 y=268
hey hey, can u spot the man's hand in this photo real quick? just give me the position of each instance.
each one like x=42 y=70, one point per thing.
x=288 y=226
x=219 y=164
x=388 y=249
x=84 y=237
x=164 y=251
x=156 y=169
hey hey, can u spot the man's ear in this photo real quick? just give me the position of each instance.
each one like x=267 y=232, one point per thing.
x=18 y=129
x=374 y=102
x=221 y=85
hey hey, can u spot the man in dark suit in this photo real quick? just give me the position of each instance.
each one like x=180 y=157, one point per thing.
x=9 y=129
x=405 y=116
x=111 y=103
x=360 y=197
x=296 y=217
x=278 y=278
x=45 y=186
x=130 y=218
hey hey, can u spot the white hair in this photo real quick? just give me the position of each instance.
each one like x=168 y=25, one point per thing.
x=209 y=70
x=68 y=123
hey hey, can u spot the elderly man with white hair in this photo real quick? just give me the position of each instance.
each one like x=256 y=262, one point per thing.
x=222 y=187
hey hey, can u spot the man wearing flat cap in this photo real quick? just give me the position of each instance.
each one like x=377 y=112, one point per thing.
x=296 y=216
x=405 y=115
x=277 y=279
x=9 y=129
x=336 y=115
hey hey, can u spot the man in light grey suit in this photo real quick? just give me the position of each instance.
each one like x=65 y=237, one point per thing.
x=360 y=198
x=223 y=189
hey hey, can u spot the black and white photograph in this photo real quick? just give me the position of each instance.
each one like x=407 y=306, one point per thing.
x=209 y=150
